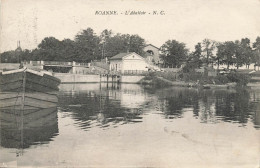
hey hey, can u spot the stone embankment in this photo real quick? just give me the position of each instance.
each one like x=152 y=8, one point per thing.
x=95 y=78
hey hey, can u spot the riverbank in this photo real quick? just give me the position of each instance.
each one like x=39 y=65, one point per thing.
x=158 y=79
x=162 y=82
x=197 y=80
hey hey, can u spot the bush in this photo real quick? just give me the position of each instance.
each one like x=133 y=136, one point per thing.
x=150 y=76
x=172 y=76
x=152 y=80
x=240 y=79
x=192 y=77
x=221 y=79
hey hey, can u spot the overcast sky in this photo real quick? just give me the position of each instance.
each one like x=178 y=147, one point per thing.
x=188 y=21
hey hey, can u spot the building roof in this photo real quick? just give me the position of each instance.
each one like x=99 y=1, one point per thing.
x=120 y=56
x=152 y=46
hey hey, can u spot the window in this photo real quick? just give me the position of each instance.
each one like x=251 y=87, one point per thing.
x=150 y=52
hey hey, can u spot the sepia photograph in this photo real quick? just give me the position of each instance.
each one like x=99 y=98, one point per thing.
x=130 y=83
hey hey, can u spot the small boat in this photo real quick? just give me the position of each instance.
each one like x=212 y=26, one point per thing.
x=28 y=89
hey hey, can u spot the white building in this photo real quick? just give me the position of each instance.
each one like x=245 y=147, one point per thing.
x=128 y=63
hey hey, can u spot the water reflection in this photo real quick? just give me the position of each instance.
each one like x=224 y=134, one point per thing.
x=114 y=105
x=102 y=105
x=255 y=106
x=176 y=122
x=174 y=100
x=22 y=129
x=230 y=106
x=211 y=106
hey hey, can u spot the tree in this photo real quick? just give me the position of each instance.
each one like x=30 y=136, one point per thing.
x=116 y=44
x=87 y=46
x=194 y=60
x=256 y=46
x=246 y=51
x=105 y=35
x=174 y=53
x=136 y=44
x=197 y=55
x=208 y=47
x=25 y=55
x=220 y=53
x=68 y=51
x=35 y=55
x=9 y=57
x=49 y=49
x=229 y=53
x=239 y=57
x=15 y=56
x=124 y=43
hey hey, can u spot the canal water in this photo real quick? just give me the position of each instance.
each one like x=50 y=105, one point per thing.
x=137 y=126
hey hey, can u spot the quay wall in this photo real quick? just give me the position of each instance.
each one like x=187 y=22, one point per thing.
x=88 y=78
x=77 y=78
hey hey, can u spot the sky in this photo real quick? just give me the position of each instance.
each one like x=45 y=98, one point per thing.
x=187 y=21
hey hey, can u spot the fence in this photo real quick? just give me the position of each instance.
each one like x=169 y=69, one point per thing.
x=81 y=64
x=35 y=63
x=56 y=63
x=135 y=72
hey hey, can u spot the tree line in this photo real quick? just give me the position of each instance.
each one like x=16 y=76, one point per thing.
x=210 y=52
x=87 y=46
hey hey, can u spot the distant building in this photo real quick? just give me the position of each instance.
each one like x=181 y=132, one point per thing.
x=152 y=54
x=18 y=52
x=18 y=49
x=128 y=63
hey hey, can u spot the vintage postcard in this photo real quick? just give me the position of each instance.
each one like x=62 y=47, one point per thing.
x=130 y=83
